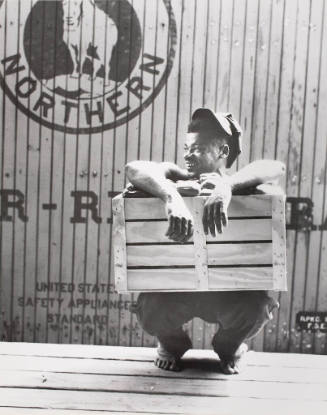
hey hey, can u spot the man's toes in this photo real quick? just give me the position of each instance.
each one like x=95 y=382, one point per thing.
x=174 y=366
x=228 y=368
x=167 y=364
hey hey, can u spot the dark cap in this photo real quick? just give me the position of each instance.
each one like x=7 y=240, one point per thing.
x=224 y=124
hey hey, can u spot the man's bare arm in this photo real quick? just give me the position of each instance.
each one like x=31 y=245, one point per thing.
x=153 y=177
x=256 y=173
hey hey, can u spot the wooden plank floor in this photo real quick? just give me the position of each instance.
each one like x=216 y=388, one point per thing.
x=79 y=379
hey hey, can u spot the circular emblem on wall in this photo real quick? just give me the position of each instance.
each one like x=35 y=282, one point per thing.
x=84 y=66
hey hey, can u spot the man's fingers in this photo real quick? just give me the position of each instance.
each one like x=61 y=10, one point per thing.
x=218 y=218
x=211 y=220
x=224 y=217
x=205 y=219
x=177 y=235
x=179 y=229
x=184 y=227
x=178 y=226
x=190 y=228
x=170 y=229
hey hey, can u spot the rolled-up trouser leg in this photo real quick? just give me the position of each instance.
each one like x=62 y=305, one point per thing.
x=176 y=343
x=162 y=315
x=251 y=313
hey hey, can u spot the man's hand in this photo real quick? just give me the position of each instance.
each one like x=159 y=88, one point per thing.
x=180 y=227
x=215 y=208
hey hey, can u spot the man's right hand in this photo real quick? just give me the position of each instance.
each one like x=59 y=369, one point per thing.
x=180 y=220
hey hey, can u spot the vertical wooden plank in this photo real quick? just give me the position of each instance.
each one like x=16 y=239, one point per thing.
x=162 y=44
x=8 y=153
x=47 y=137
x=312 y=162
x=321 y=338
x=43 y=224
x=249 y=59
x=318 y=241
x=282 y=151
x=173 y=103
x=236 y=62
x=2 y=128
x=212 y=53
x=32 y=183
x=198 y=54
x=176 y=132
x=296 y=145
x=261 y=75
x=272 y=102
x=223 y=75
x=56 y=198
x=18 y=225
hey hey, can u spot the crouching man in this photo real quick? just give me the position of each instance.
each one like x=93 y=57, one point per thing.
x=212 y=144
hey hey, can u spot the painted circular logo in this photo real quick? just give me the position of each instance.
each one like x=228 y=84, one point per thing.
x=84 y=66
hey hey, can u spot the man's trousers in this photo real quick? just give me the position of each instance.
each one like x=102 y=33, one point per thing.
x=240 y=315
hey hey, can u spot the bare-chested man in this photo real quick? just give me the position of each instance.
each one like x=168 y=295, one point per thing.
x=212 y=144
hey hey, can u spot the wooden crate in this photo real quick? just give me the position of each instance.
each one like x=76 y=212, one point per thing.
x=249 y=255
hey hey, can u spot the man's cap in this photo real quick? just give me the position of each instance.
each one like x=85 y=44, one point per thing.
x=224 y=124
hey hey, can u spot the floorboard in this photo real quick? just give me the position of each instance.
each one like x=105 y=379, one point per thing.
x=62 y=379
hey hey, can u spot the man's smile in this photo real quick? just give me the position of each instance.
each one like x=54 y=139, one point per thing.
x=190 y=165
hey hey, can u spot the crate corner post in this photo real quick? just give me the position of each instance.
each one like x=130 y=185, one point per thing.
x=119 y=243
x=279 y=242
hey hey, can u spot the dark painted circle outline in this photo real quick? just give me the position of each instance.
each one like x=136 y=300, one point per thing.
x=173 y=40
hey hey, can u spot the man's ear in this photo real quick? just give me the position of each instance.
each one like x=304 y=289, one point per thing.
x=224 y=151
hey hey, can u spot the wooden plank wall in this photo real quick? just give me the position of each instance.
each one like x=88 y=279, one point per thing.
x=262 y=60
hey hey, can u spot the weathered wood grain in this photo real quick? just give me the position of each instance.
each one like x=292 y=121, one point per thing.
x=241 y=278
x=119 y=243
x=162 y=279
x=151 y=208
x=218 y=254
x=154 y=232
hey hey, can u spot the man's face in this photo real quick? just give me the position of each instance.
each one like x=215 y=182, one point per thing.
x=201 y=154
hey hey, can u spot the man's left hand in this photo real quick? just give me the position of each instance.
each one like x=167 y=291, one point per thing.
x=215 y=208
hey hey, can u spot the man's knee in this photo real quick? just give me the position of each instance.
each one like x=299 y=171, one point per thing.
x=156 y=315
x=261 y=312
x=251 y=311
x=148 y=314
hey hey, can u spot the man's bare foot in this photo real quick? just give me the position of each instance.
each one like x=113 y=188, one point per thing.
x=166 y=364
x=232 y=366
x=166 y=360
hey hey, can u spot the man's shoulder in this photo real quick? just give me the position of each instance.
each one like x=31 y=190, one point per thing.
x=174 y=172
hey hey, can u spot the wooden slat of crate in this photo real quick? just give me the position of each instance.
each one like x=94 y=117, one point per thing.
x=153 y=231
x=164 y=279
x=240 y=278
x=218 y=254
x=152 y=208
x=240 y=258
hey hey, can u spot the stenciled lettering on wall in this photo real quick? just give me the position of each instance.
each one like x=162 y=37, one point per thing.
x=84 y=66
x=85 y=207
